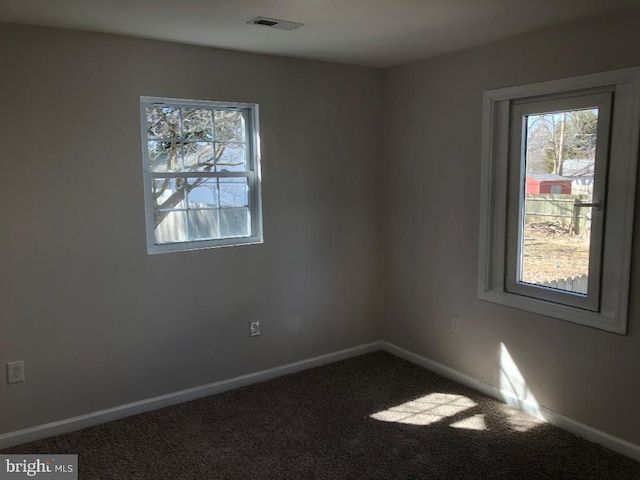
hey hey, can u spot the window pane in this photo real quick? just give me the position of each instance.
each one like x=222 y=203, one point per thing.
x=163 y=122
x=198 y=156
x=203 y=193
x=168 y=193
x=203 y=224
x=234 y=192
x=199 y=162
x=170 y=226
x=555 y=231
x=235 y=222
x=230 y=157
x=164 y=156
x=197 y=124
x=229 y=126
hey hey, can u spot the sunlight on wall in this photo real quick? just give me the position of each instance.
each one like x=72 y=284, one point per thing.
x=427 y=410
x=515 y=392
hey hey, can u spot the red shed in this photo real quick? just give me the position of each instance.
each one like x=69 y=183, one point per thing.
x=548 y=183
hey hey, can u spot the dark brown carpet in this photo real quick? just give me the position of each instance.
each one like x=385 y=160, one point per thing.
x=318 y=424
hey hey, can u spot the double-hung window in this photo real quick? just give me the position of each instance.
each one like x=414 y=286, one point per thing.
x=558 y=188
x=201 y=174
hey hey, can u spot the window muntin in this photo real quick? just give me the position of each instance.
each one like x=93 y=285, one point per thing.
x=501 y=180
x=201 y=170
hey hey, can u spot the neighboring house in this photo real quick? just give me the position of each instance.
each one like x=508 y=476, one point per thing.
x=548 y=183
x=578 y=167
x=580 y=170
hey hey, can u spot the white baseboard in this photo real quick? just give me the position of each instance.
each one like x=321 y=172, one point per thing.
x=585 y=431
x=102 y=416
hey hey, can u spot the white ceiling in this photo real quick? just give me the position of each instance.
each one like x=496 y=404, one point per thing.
x=366 y=32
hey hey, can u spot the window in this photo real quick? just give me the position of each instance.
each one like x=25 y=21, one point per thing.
x=558 y=187
x=201 y=174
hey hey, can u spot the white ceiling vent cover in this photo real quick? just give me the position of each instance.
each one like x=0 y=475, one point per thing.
x=275 y=23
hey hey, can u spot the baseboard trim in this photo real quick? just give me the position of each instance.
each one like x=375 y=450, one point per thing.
x=102 y=416
x=79 y=422
x=580 y=429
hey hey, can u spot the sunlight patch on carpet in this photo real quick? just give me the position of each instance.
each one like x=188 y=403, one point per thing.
x=519 y=421
x=426 y=410
x=475 y=422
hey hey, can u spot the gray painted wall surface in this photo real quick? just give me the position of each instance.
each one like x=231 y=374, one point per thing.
x=433 y=112
x=100 y=323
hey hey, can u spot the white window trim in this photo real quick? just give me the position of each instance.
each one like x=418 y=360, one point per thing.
x=616 y=268
x=253 y=175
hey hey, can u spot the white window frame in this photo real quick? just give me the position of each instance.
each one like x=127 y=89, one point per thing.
x=515 y=212
x=605 y=309
x=252 y=174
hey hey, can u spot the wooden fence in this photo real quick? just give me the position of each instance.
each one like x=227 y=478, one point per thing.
x=557 y=208
x=571 y=284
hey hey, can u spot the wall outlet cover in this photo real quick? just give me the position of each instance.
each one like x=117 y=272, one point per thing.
x=254 y=328
x=15 y=372
x=455 y=323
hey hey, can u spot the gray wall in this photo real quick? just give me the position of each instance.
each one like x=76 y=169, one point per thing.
x=100 y=323
x=433 y=112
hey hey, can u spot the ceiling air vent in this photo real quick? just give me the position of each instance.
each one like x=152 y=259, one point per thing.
x=275 y=23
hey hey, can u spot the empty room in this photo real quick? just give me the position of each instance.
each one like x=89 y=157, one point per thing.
x=357 y=239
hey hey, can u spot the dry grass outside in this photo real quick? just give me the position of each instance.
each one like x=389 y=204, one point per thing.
x=552 y=252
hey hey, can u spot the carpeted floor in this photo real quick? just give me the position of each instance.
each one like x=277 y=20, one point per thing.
x=370 y=417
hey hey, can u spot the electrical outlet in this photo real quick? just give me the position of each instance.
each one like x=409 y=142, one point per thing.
x=455 y=323
x=15 y=372
x=254 y=328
